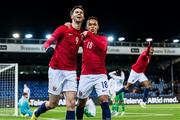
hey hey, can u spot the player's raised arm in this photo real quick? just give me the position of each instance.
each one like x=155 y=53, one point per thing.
x=149 y=48
x=54 y=37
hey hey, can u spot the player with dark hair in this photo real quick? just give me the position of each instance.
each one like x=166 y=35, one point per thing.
x=24 y=107
x=137 y=73
x=93 y=73
x=63 y=64
x=115 y=84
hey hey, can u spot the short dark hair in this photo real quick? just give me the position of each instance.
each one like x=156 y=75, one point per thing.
x=75 y=7
x=118 y=72
x=92 y=17
x=25 y=94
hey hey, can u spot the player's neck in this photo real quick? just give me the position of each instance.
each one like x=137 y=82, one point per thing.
x=76 y=26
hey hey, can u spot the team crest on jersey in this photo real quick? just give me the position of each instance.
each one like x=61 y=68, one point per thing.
x=54 y=88
x=80 y=93
x=103 y=90
x=70 y=34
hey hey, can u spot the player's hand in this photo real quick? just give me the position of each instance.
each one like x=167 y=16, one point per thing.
x=50 y=51
x=84 y=33
x=113 y=96
x=67 y=24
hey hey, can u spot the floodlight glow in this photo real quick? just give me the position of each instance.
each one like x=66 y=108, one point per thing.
x=149 y=39
x=15 y=35
x=28 y=36
x=175 y=40
x=110 y=38
x=121 y=38
x=48 y=36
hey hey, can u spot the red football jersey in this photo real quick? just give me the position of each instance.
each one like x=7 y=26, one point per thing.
x=68 y=41
x=94 y=54
x=142 y=61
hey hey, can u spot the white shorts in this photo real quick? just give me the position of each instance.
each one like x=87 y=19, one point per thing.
x=133 y=77
x=87 y=83
x=61 y=81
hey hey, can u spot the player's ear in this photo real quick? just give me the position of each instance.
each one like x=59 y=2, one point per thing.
x=86 y=27
x=83 y=17
x=97 y=26
x=71 y=16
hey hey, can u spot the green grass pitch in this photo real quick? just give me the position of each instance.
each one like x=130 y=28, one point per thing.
x=132 y=112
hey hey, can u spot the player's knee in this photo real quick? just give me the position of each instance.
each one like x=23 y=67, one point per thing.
x=70 y=104
x=103 y=98
x=147 y=86
x=73 y=103
x=82 y=103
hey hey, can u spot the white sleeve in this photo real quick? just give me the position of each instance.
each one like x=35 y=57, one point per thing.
x=112 y=74
x=122 y=76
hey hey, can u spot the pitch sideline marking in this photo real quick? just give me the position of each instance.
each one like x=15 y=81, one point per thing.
x=50 y=119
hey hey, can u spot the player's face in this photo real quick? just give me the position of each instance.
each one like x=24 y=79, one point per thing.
x=78 y=15
x=26 y=96
x=151 y=51
x=92 y=25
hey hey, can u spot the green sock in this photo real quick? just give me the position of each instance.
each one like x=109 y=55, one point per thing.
x=113 y=107
x=123 y=106
x=116 y=107
x=87 y=113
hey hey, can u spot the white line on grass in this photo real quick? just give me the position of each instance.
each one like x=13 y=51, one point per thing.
x=144 y=114
x=50 y=119
x=151 y=113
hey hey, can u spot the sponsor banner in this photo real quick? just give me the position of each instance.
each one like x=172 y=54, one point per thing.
x=138 y=50
x=39 y=102
x=153 y=100
x=3 y=47
x=31 y=48
x=38 y=48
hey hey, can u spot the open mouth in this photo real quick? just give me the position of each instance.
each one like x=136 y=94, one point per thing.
x=79 y=17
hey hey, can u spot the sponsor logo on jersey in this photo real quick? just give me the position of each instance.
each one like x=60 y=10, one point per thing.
x=70 y=34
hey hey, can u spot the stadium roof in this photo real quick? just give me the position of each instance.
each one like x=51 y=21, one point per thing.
x=131 y=19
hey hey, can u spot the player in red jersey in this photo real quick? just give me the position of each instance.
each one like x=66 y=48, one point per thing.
x=137 y=73
x=62 y=67
x=93 y=73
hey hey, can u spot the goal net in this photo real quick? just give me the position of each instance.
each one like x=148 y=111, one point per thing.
x=8 y=89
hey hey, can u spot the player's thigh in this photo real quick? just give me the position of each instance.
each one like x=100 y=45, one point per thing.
x=86 y=85
x=144 y=80
x=56 y=79
x=101 y=85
